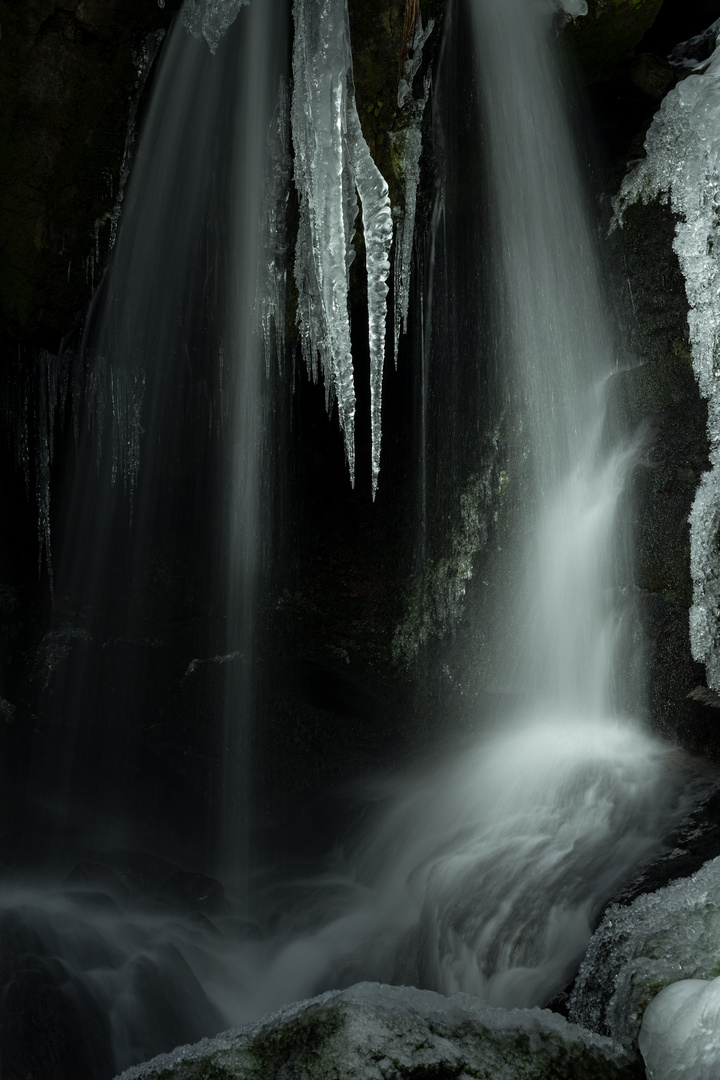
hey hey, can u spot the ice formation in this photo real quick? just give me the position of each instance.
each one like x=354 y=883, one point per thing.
x=332 y=161
x=272 y=287
x=683 y=164
x=660 y=938
x=407 y=144
x=680 y=1034
x=210 y=19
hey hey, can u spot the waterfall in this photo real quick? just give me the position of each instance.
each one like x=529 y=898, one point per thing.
x=162 y=504
x=485 y=873
x=485 y=869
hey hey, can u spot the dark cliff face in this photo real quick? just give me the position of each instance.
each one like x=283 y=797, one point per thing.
x=71 y=77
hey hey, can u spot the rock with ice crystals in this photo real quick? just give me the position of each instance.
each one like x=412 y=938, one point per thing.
x=683 y=164
x=376 y=1032
x=332 y=161
x=680 y=1033
x=210 y=19
x=638 y=950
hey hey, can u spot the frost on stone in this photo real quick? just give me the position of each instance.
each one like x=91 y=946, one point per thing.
x=210 y=19
x=376 y=1032
x=437 y=606
x=407 y=144
x=272 y=287
x=332 y=162
x=683 y=165
x=637 y=950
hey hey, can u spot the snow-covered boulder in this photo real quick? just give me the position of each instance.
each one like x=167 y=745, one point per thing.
x=376 y=1032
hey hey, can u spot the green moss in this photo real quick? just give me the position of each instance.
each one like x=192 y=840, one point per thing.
x=300 y=1041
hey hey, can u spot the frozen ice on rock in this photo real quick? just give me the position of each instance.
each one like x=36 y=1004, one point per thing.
x=662 y=937
x=682 y=164
x=680 y=1034
x=376 y=1032
x=210 y=19
x=573 y=8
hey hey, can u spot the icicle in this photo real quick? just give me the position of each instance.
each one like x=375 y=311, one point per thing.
x=210 y=19
x=377 y=225
x=683 y=162
x=331 y=159
x=407 y=144
x=273 y=282
x=328 y=206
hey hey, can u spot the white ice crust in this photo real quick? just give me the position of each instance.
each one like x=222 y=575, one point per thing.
x=683 y=165
x=659 y=939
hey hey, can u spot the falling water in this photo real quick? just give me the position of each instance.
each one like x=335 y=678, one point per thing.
x=486 y=874
x=163 y=499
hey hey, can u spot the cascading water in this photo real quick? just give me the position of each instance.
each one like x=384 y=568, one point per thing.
x=172 y=428
x=486 y=875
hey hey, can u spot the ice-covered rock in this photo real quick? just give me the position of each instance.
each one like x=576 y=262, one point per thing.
x=662 y=937
x=680 y=1033
x=377 y=1032
x=682 y=164
x=210 y=19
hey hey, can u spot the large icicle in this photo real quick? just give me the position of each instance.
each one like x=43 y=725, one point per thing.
x=683 y=163
x=332 y=159
x=377 y=225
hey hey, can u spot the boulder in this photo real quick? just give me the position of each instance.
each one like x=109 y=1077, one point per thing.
x=377 y=1032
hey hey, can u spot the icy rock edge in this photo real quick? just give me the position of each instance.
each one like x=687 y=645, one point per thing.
x=682 y=165
x=638 y=950
x=377 y=1032
x=332 y=163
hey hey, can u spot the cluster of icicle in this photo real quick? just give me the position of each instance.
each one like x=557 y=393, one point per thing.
x=332 y=163
x=683 y=164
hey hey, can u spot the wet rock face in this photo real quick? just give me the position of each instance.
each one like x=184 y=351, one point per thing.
x=658 y=393
x=69 y=79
